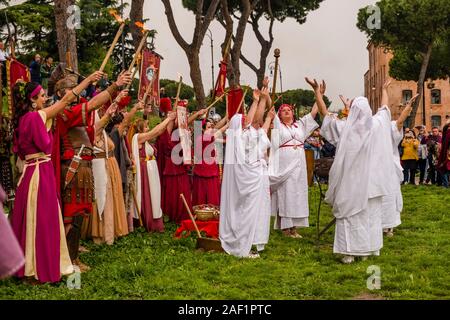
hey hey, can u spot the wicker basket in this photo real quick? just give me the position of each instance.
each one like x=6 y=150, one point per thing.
x=206 y=212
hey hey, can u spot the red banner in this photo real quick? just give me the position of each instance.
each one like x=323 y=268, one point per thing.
x=221 y=79
x=150 y=75
x=234 y=99
x=15 y=71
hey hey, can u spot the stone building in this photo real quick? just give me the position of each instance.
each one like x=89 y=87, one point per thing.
x=437 y=92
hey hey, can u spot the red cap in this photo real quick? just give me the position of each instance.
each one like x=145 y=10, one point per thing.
x=165 y=105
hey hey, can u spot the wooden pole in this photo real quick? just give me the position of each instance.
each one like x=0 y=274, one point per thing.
x=274 y=86
x=242 y=101
x=138 y=51
x=177 y=98
x=111 y=48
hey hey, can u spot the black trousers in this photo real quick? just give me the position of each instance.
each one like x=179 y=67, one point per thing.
x=409 y=171
x=422 y=164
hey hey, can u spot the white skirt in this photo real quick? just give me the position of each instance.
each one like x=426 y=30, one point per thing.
x=360 y=234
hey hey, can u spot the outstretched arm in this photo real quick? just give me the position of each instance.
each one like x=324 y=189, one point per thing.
x=406 y=112
x=158 y=130
x=59 y=106
x=105 y=96
x=252 y=111
x=195 y=115
x=318 y=89
x=129 y=116
x=384 y=95
x=269 y=118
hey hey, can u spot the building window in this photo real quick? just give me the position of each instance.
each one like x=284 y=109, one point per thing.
x=435 y=96
x=436 y=121
x=406 y=96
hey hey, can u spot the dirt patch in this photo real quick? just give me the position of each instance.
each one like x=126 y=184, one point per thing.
x=368 y=296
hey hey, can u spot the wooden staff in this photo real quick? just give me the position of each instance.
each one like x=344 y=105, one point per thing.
x=133 y=192
x=242 y=101
x=215 y=101
x=138 y=51
x=177 y=98
x=274 y=87
x=132 y=77
x=111 y=48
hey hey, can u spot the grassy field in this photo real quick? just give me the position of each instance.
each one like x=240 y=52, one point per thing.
x=413 y=264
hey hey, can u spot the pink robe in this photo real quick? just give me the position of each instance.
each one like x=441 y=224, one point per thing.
x=36 y=219
x=11 y=255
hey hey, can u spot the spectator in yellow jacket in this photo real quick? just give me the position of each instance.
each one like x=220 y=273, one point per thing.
x=409 y=158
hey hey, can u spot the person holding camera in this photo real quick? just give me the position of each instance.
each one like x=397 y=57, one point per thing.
x=410 y=156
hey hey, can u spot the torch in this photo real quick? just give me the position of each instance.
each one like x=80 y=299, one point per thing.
x=116 y=38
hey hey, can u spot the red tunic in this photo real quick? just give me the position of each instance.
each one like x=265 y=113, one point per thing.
x=175 y=181
x=63 y=151
x=206 y=181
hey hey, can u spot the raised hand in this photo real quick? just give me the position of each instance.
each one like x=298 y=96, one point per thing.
x=345 y=101
x=112 y=109
x=172 y=115
x=265 y=82
x=323 y=87
x=265 y=93
x=313 y=84
x=202 y=112
x=122 y=94
x=96 y=76
x=271 y=114
x=139 y=106
x=124 y=78
x=411 y=101
x=387 y=83
x=256 y=94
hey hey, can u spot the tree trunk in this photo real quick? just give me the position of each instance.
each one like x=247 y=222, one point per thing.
x=136 y=15
x=423 y=72
x=196 y=78
x=202 y=22
x=66 y=37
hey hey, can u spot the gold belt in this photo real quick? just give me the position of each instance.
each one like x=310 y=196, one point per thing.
x=39 y=155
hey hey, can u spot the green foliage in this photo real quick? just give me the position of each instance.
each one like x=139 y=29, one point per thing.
x=186 y=92
x=409 y=27
x=34 y=22
x=414 y=264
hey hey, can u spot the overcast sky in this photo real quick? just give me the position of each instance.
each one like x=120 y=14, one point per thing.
x=328 y=46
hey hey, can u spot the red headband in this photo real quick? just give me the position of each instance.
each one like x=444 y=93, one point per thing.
x=35 y=91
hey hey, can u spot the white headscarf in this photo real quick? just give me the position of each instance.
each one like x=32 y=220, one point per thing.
x=348 y=190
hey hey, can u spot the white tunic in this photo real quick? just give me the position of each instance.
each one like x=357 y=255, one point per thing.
x=245 y=196
x=392 y=204
x=359 y=177
x=288 y=173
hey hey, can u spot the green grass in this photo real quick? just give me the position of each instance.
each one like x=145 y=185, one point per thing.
x=414 y=264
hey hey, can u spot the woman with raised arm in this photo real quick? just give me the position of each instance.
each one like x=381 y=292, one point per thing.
x=147 y=184
x=287 y=169
x=36 y=218
x=108 y=220
x=360 y=175
x=392 y=204
x=206 y=180
x=176 y=179
x=245 y=197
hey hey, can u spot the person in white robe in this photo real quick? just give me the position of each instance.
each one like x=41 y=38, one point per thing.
x=245 y=194
x=392 y=204
x=287 y=170
x=360 y=175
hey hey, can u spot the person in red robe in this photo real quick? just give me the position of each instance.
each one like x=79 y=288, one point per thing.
x=74 y=135
x=176 y=178
x=206 y=179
